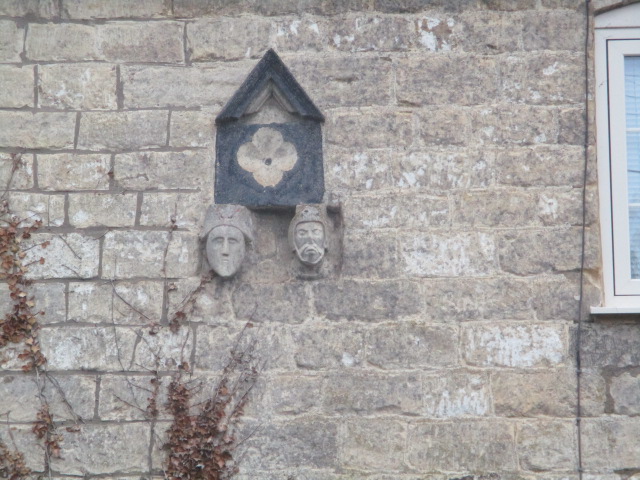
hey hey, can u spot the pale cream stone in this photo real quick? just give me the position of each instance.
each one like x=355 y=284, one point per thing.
x=77 y=86
x=68 y=255
x=37 y=130
x=16 y=86
x=66 y=171
x=102 y=209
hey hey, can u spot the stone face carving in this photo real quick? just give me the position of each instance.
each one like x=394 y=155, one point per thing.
x=227 y=231
x=307 y=234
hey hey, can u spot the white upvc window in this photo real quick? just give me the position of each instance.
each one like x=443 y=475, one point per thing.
x=617 y=57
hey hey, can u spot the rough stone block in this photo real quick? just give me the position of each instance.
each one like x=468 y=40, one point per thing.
x=111 y=42
x=610 y=345
x=408 y=212
x=206 y=302
x=191 y=8
x=447 y=80
x=163 y=170
x=36 y=8
x=16 y=86
x=105 y=448
x=593 y=392
x=293 y=394
x=11 y=41
x=185 y=210
x=372 y=301
x=49 y=298
x=451 y=255
x=29 y=207
x=488 y=32
x=37 y=130
x=153 y=86
x=301 y=34
x=625 y=393
x=572 y=125
x=319 y=348
x=68 y=255
x=287 y=303
x=547 y=445
x=456 y=394
x=98 y=9
x=374 y=130
x=434 y=33
x=123 y=130
x=503 y=125
x=447 y=125
x=208 y=39
x=600 y=453
x=532 y=394
x=102 y=209
x=479 y=446
x=347 y=170
x=16 y=176
x=192 y=129
x=371 y=34
x=77 y=87
x=19 y=438
x=502 y=208
x=521 y=346
x=128 y=254
x=369 y=393
x=87 y=348
x=370 y=255
x=127 y=397
x=70 y=172
x=530 y=166
x=163 y=350
x=376 y=445
x=412 y=346
x=554 y=30
x=137 y=303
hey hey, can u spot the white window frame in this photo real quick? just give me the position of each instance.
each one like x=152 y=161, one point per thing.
x=617 y=34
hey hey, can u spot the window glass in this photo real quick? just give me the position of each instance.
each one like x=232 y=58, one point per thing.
x=632 y=117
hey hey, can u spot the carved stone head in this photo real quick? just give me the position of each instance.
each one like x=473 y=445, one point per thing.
x=307 y=234
x=227 y=231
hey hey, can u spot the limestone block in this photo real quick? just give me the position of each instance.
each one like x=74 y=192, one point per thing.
x=293 y=394
x=77 y=87
x=11 y=41
x=456 y=394
x=310 y=442
x=532 y=394
x=554 y=30
x=369 y=393
x=371 y=301
x=451 y=255
x=185 y=210
x=105 y=448
x=370 y=255
x=192 y=128
x=594 y=392
x=371 y=33
x=163 y=350
x=572 y=124
x=21 y=177
x=128 y=254
x=193 y=86
x=127 y=397
x=376 y=445
x=30 y=207
x=68 y=397
x=408 y=212
x=503 y=208
x=599 y=452
x=37 y=130
x=503 y=125
x=111 y=42
x=123 y=130
x=301 y=34
x=17 y=86
x=434 y=33
x=287 y=303
x=87 y=348
x=49 y=298
x=348 y=170
x=93 y=9
x=102 y=209
x=20 y=438
x=191 y=8
x=68 y=255
x=448 y=125
x=65 y=171
x=488 y=32
x=447 y=80
x=207 y=39
x=37 y=8
x=511 y=5
x=320 y=348
x=372 y=130
x=625 y=393
x=522 y=346
x=610 y=345
x=412 y=346
x=530 y=166
x=547 y=445
x=121 y=303
x=461 y=446
x=164 y=170
x=207 y=302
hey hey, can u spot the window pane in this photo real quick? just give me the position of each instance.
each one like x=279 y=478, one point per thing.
x=632 y=91
x=632 y=108
x=634 y=243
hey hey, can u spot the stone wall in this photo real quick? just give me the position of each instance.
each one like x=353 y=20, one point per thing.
x=444 y=345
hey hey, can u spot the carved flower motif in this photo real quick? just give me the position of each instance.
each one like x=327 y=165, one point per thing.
x=267 y=156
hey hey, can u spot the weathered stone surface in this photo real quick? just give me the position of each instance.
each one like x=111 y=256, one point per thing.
x=451 y=255
x=185 y=210
x=21 y=177
x=90 y=9
x=411 y=346
x=286 y=303
x=410 y=212
x=444 y=126
x=372 y=301
x=19 y=438
x=532 y=394
x=30 y=207
x=593 y=391
x=77 y=87
x=521 y=346
x=49 y=298
x=488 y=32
x=204 y=301
x=369 y=131
x=37 y=8
x=164 y=349
x=447 y=80
x=65 y=171
x=293 y=394
x=102 y=449
x=136 y=303
x=348 y=170
x=16 y=86
x=11 y=41
x=463 y=446
x=87 y=348
x=164 y=170
x=625 y=393
x=128 y=254
x=559 y=30
x=123 y=130
x=102 y=209
x=190 y=8
x=610 y=443
x=376 y=445
x=530 y=166
x=371 y=34
x=368 y=393
x=456 y=394
x=68 y=255
x=547 y=445
x=572 y=123
x=611 y=345
x=207 y=39
x=192 y=129
x=111 y=42
x=370 y=255
x=320 y=348
x=37 y=130
x=502 y=125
